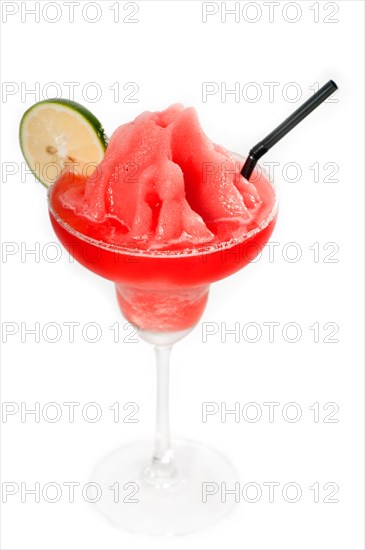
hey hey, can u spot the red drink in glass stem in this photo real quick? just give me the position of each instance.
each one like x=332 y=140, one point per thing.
x=163 y=239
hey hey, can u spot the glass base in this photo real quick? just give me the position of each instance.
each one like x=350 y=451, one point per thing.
x=130 y=501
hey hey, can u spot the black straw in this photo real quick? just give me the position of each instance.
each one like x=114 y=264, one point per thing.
x=264 y=145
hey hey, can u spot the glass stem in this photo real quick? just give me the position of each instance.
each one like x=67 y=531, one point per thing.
x=162 y=471
x=162 y=441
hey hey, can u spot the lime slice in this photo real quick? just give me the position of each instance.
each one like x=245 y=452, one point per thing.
x=57 y=133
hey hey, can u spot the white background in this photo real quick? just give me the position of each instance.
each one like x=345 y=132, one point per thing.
x=169 y=53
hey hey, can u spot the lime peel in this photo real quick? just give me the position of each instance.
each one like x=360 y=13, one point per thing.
x=51 y=133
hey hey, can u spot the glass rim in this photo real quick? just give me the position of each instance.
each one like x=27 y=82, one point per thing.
x=197 y=251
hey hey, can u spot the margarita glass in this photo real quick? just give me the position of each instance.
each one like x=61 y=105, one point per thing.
x=164 y=293
x=187 y=221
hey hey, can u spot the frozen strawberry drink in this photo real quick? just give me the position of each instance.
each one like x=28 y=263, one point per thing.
x=165 y=214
